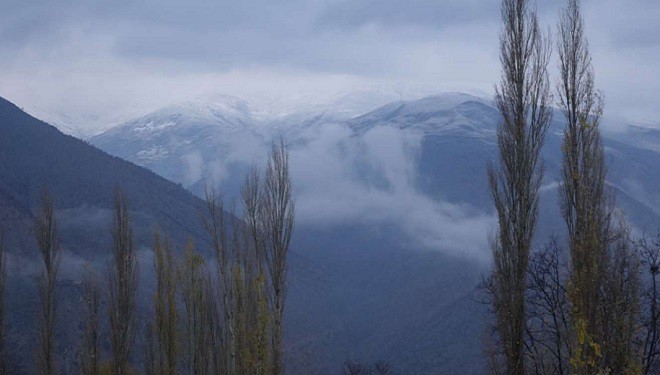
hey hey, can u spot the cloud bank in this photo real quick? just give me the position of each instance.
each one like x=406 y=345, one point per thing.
x=340 y=178
x=99 y=58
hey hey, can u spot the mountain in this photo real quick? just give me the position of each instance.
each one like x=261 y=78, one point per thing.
x=446 y=140
x=644 y=136
x=81 y=180
x=36 y=156
x=445 y=114
x=351 y=286
x=393 y=215
x=83 y=125
x=198 y=140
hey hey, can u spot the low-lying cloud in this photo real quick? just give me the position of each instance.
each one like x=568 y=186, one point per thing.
x=340 y=177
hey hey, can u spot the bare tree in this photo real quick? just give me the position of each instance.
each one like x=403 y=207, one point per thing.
x=382 y=368
x=548 y=325
x=217 y=355
x=522 y=98
x=3 y=287
x=45 y=228
x=619 y=303
x=123 y=287
x=163 y=333
x=355 y=368
x=253 y=210
x=649 y=251
x=151 y=359
x=279 y=207
x=213 y=219
x=90 y=354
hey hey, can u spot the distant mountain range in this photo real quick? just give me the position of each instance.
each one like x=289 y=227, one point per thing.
x=446 y=140
x=393 y=210
x=351 y=286
x=403 y=179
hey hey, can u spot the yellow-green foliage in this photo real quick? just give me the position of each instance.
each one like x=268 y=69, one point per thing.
x=240 y=323
x=260 y=334
x=196 y=297
x=586 y=352
x=251 y=325
x=106 y=369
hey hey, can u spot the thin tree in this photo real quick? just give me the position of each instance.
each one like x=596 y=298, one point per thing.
x=194 y=289
x=548 y=325
x=522 y=98
x=90 y=353
x=649 y=250
x=164 y=330
x=583 y=200
x=620 y=302
x=253 y=264
x=213 y=219
x=355 y=368
x=45 y=229
x=382 y=368
x=582 y=195
x=3 y=286
x=279 y=207
x=151 y=359
x=123 y=286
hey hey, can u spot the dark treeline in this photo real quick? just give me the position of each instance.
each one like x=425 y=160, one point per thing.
x=222 y=321
x=587 y=304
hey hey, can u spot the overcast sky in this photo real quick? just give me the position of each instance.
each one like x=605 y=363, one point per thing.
x=98 y=57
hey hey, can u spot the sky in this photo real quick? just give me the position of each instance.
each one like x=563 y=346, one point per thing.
x=98 y=59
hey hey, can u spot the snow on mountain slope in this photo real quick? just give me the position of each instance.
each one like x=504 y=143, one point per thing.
x=449 y=113
x=83 y=125
x=213 y=134
x=437 y=146
x=221 y=129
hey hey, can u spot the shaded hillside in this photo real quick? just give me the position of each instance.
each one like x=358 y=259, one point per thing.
x=81 y=179
x=388 y=248
x=357 y=292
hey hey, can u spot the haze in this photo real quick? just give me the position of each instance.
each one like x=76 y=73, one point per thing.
x=103 y=61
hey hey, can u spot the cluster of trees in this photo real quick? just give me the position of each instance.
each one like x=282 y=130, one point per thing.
x=232 y=326
x=223 y=316
x=583 y=305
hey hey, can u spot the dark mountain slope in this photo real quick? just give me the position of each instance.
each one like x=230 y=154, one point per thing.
x=358 y=292
x=351 y=288
x=81 y=179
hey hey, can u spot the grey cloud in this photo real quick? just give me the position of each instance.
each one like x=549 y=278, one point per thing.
x=150 y=44
x=434 y=14
x=625 y=25
x=340 y=178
